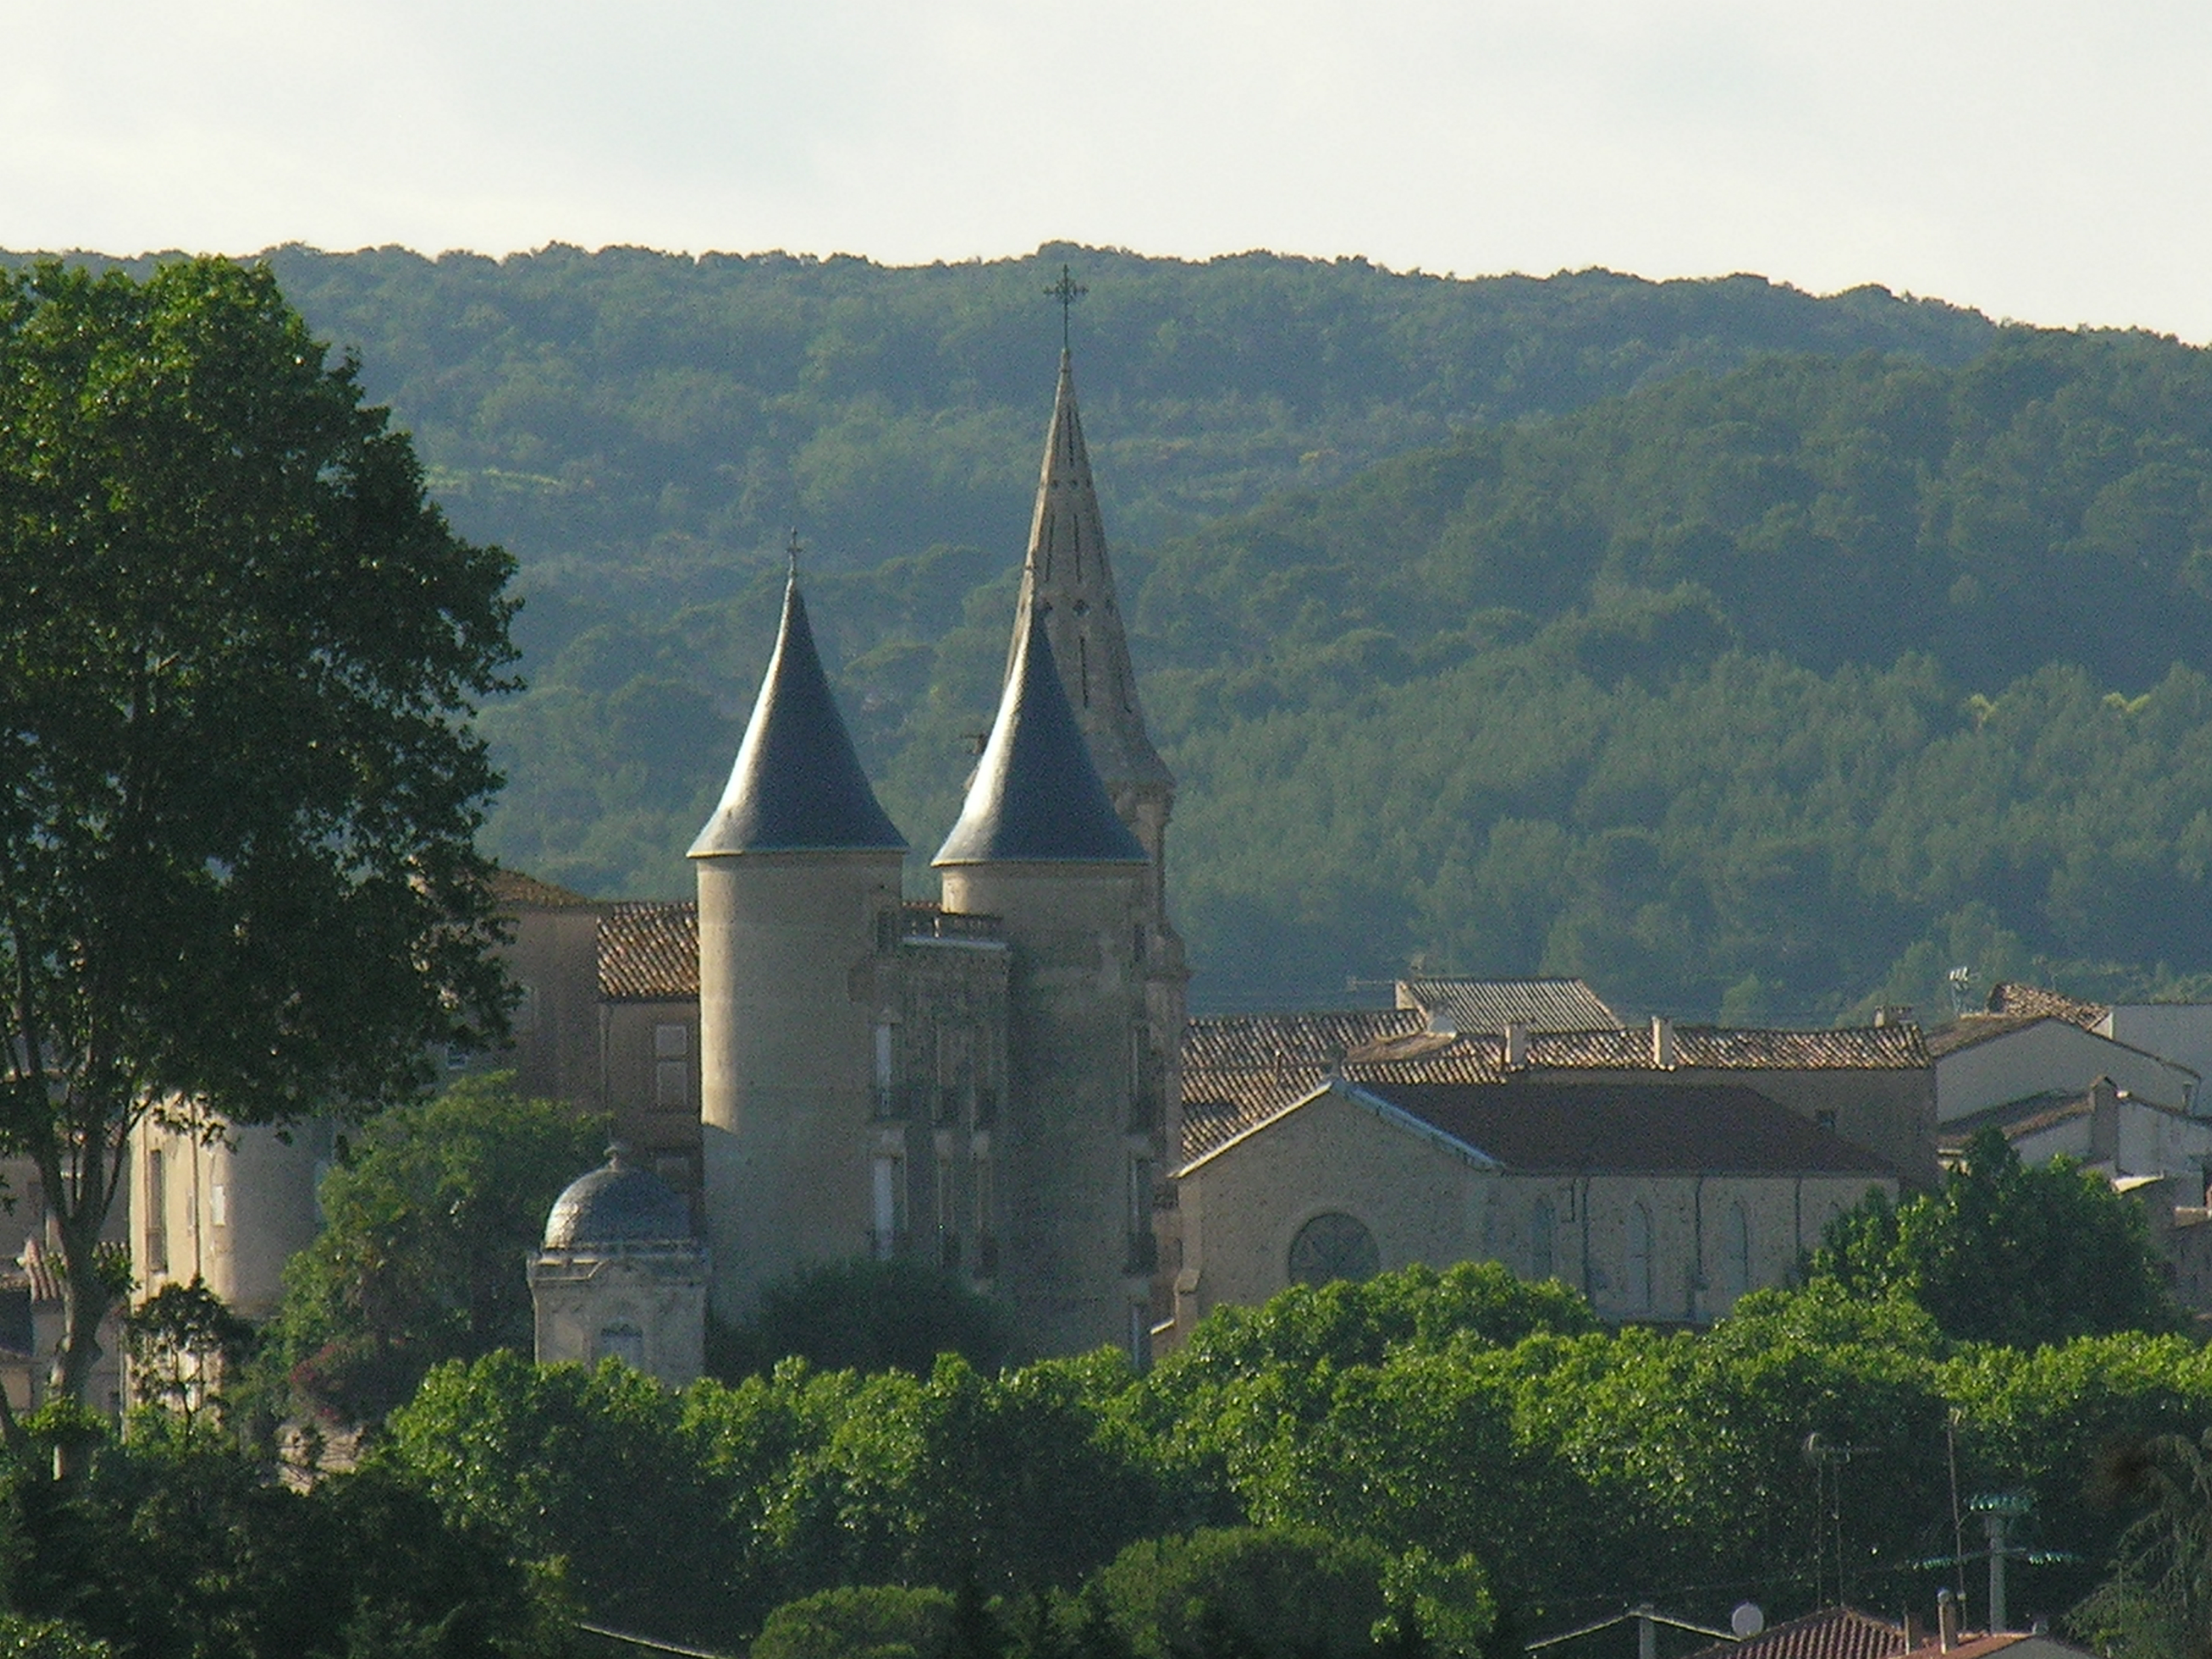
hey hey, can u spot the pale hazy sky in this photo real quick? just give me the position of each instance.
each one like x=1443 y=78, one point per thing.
x=2047 y=161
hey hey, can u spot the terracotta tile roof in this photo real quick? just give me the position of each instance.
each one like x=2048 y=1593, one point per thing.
x=1238 y=1070
x=515 y=891
x=1861 y=1047
x=649 y=951
x=46 y=1280
x=1717 y=1128
x=1490 y=1004
x=2010 y=997
x=1738 y=1049
x=1831 y=1633
x=1968 y=1029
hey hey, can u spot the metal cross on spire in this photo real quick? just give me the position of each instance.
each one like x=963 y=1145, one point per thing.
x=792 y=547
x=1067 y=291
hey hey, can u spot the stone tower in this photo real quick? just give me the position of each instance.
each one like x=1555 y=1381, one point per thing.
x=1039 y=845
x=799 y=880
x=1068 y=580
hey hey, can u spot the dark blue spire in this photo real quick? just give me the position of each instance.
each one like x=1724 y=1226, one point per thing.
x=798 y=785
x=1036 y=797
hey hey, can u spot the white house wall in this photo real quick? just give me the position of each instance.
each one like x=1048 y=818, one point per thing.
x=2048 y=1056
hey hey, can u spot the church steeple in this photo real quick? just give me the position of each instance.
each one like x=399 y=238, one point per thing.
x=797 y=785
x=1067 y=577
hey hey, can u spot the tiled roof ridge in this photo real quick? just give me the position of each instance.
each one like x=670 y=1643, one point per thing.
x=648 y=950
x=1842 y=1633
x=2016 y=997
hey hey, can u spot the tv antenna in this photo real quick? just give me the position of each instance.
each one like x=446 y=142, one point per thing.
x=1828 y=1458
x=1961 y=981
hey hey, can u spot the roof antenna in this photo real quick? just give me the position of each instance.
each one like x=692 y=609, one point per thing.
x=1067 y=291
x=792 y=548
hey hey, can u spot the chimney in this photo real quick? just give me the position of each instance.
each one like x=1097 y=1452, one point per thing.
x=1516 y=1044
x=1914 y=1634
x=1662 y=1042
x=2104 y=1123
x=1946 y=1621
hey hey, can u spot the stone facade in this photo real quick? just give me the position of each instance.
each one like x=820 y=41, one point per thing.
x=1670 y=1227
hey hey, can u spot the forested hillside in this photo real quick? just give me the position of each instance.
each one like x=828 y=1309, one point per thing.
x=1749 y=653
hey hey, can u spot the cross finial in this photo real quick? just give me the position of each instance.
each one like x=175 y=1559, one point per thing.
x=792 y=547
x=1067 y=291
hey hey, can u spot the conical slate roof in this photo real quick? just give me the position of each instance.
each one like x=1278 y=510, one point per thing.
x=1066 y=575
x=1036 y=797
x=797 y=786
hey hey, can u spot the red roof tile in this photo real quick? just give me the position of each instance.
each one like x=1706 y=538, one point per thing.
x=649 y=951
x=1832 y=1633
x=2009 y=997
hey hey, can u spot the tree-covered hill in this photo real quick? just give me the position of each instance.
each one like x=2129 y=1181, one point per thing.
x=1748 y=652
x=630 y=411
x=1773 y=693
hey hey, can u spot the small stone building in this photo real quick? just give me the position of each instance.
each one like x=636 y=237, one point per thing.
x=621 y=1276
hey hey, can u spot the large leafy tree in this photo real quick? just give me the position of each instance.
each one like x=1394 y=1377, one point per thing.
x=428 y=1222
x=2008 y=1253
x=237 y=786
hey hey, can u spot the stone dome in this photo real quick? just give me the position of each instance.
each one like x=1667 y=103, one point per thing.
x=618 y=1204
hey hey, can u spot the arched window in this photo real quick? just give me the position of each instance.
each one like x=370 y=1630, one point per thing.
x=1333 y=1246
x=1637 y=1280
x=1735 y=1251
x=1542 y=1225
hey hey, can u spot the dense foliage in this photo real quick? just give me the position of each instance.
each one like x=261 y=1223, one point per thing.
x=2008 y=1253
x=238 y=790
x=175 y=1546
x=428 y=1219
x=629 y=416
x=1774 y=690
x=1513 y=1469
x=641 y=428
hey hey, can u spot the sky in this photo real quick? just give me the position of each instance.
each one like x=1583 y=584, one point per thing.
x=2048 y=162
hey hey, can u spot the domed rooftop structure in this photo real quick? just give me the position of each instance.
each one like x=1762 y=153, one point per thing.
x=617 y=1205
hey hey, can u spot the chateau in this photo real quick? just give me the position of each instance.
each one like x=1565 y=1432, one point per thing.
x=806 y=1067
x=988 y=1079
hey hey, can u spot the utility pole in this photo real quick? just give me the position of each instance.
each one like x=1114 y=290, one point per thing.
x=1998 y=1511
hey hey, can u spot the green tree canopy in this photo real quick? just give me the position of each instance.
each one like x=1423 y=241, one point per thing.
x=875 y=1621
x=2008 y=1253
x=428 y=1222
x=238 y=787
